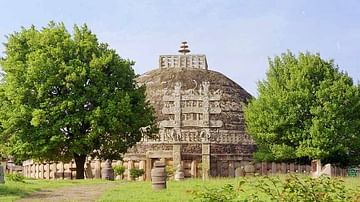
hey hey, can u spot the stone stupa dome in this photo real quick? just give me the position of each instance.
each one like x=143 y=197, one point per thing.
x=200 y=118
x=187 y=96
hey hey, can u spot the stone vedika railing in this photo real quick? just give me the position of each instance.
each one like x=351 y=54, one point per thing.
x=183 y=61
x=191 y=169
x=60 y=170
x=270 y=168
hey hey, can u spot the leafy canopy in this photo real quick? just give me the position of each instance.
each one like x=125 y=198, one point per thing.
x=65 y=95
x=306 y=109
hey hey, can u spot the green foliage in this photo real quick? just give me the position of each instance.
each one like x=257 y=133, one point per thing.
x=226 y=193
x=293 y=188
x=169 y=170
x=306 y=108
x=15 y=177
x=136 y=172
x=306 y=189
x=68 y=95
x=119 y=170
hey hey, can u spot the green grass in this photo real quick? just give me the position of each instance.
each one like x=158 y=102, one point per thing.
x=176 y=191
x=11 y=191
x=352 y=182
x=142 y=191
x=138 y=191
x=183 y=191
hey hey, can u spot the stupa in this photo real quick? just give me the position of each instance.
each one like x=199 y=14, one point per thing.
x=200 y=118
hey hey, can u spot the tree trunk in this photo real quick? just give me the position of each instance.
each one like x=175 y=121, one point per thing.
x=80 y=162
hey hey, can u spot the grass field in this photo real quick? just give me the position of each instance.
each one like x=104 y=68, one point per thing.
x=141 y=191
x=176 y=191
x=11 y=191
x=183 y=191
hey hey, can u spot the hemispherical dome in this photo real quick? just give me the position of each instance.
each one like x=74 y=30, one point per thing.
x=195 y=105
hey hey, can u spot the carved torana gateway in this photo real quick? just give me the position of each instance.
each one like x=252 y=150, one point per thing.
x=200 y=118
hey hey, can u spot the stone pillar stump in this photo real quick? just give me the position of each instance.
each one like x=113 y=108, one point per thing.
x=205 y=160
x=2 y=179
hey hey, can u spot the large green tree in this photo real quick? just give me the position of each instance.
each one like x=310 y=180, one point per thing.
x=306 y=109
x=68 y=96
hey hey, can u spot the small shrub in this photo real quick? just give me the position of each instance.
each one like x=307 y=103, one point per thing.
x=135 y=173
x=169 y=170
x=227 y=193
x=119 y=170
x=15 y=177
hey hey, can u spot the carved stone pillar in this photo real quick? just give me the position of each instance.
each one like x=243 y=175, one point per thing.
x=177 y=105
x=36 y=171
x=33 y=171
x=273 y=168
x=24 y=170
x=97 y=169
x=130 y=165
x=142 y=166
x=148 y=167
x=48 y=171
x=231 y=168
x=193 y=170
x=88 y=170
x=2 y=173
x=54 y=170
x=176 y=154
x=205 y=160
x=206 y=104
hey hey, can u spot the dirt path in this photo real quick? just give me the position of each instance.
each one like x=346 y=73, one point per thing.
x=73 y=193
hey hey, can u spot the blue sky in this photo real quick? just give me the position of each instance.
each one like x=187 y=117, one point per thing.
x=237 y=36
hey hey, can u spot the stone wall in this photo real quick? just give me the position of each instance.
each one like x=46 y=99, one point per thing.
x=61 y=170
x=193 y=168
x=241 y=150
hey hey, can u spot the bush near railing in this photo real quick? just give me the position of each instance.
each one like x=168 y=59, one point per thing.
x=15 y=177
x=292 y=188
x=119 y=170
x=135 y=173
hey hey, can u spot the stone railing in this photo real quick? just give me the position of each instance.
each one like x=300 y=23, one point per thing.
x=192 y=169
x=60 y=170
x=183 y=61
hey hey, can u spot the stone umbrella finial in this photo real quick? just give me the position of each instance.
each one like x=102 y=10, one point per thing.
x=184 y=48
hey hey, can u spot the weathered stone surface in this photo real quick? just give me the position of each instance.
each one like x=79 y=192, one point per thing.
x=191 y=149
x=250 y=169
x=2 y=180
x=205 y=163
x=194 y=168
x=179 y=173
x=176 y=154
x=107 y=172
x=240 y=149
x=144 y=147
x=158 y=176
x=88 y=171
x=240 y=172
